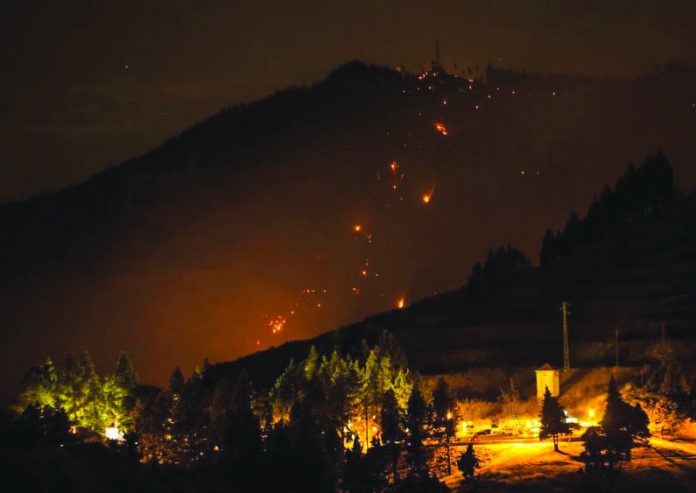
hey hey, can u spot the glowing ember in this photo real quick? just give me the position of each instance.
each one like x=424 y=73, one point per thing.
x=427 y=196
x=401 y=302
x=276 y=324
x=440 y=127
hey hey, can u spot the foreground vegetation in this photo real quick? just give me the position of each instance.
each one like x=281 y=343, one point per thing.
x=356 y=422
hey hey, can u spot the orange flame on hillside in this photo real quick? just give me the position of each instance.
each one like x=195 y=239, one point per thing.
x=277 y=324
x=440 y=127
x=427 y=196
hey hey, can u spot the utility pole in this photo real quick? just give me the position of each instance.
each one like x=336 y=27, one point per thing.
x=616 y=347
x=566 y=346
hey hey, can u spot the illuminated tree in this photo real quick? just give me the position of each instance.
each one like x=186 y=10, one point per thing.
x=339 y=382
x=553 y=419
x=79 y=393
x=311 y=364
x=510 y=401
x=285 y=391
x=39 y=388
x=118 y=393
x=369 y=393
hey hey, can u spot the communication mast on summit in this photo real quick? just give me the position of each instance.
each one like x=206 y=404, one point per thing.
x=435 y=65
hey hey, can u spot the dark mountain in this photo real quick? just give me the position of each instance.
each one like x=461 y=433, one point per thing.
x=244 y=224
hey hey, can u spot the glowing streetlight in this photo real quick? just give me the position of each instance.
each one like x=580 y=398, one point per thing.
x=113 y=433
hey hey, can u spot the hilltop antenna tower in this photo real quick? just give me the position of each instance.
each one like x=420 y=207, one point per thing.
x=566 y=346
x=436 y=62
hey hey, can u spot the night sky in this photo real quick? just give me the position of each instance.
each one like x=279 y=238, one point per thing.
x=85 y=85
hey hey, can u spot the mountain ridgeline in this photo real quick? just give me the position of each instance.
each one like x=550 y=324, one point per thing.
x=283 y=218
x=640 y=194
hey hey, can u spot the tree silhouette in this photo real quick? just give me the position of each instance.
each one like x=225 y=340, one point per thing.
x=553 y=419
x=640 y=194
x=443 y=417
x=364 y=473
x=392 y=432
x=417 y=454
x=622 y=423
x=468 y=463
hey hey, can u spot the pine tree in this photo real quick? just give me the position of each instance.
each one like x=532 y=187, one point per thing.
x=417 y=454
x=125 y=374
x=176 y=381
x=623 y=423
x=311 y=364
x=369 y=393
x=241 y=435
x=39 y=388
x=443 y=422
x=468 y=463
x=392 y=432
x=553 y=419
x=118 y=393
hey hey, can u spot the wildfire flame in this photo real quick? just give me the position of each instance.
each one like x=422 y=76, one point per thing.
x=427 y=196
x=440 y=127
x=277 y=324
x=393 y=166
x=401 y=302
x=357 y=228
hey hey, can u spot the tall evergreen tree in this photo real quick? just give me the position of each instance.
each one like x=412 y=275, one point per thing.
x=553 y=419
x=443 y=417
x=623 y=423
x=392 y=431
x=416 y=453
x=468 y=463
